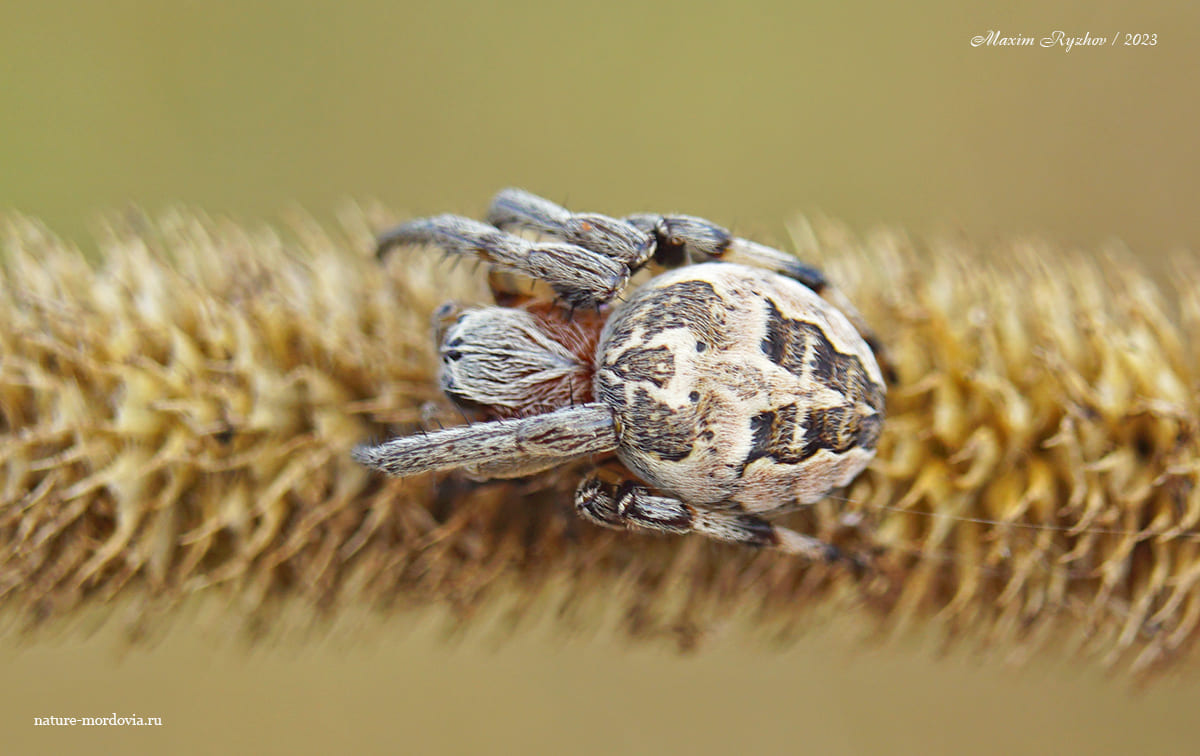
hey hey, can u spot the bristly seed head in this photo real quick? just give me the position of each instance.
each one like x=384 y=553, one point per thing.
x=179 y=417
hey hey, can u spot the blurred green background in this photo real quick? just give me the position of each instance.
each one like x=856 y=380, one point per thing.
x=875 y=113
x=748 y=112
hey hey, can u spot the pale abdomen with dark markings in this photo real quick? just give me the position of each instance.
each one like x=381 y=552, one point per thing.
x=731 y=384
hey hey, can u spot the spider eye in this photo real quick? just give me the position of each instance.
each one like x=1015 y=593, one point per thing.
x=452 y=356
x=701 y=346
x=694 y=396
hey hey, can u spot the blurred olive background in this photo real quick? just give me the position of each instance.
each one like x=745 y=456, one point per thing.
x=873 y=112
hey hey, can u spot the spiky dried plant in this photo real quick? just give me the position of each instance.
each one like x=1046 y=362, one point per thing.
x=176 y=421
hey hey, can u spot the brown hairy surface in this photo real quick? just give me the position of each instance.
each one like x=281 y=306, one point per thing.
x=578 y=331
x=176 y=420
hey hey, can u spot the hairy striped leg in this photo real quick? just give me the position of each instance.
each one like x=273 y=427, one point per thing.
x=582 y=278
x=500 y=448
x=632 y=505
x=611 y=237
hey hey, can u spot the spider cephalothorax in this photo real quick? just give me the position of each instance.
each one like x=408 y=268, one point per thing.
x=729 y=388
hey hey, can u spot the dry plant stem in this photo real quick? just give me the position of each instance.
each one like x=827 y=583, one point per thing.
x=178 y=419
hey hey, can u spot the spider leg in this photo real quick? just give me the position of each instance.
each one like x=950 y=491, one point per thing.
x=611 y=237
x=685 y=239
x=498 y=449
x=581 y=277
x=633 y=506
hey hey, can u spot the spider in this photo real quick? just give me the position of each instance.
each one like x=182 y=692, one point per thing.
x=726 y=385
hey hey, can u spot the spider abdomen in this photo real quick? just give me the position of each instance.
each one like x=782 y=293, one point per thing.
x=731 y=383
